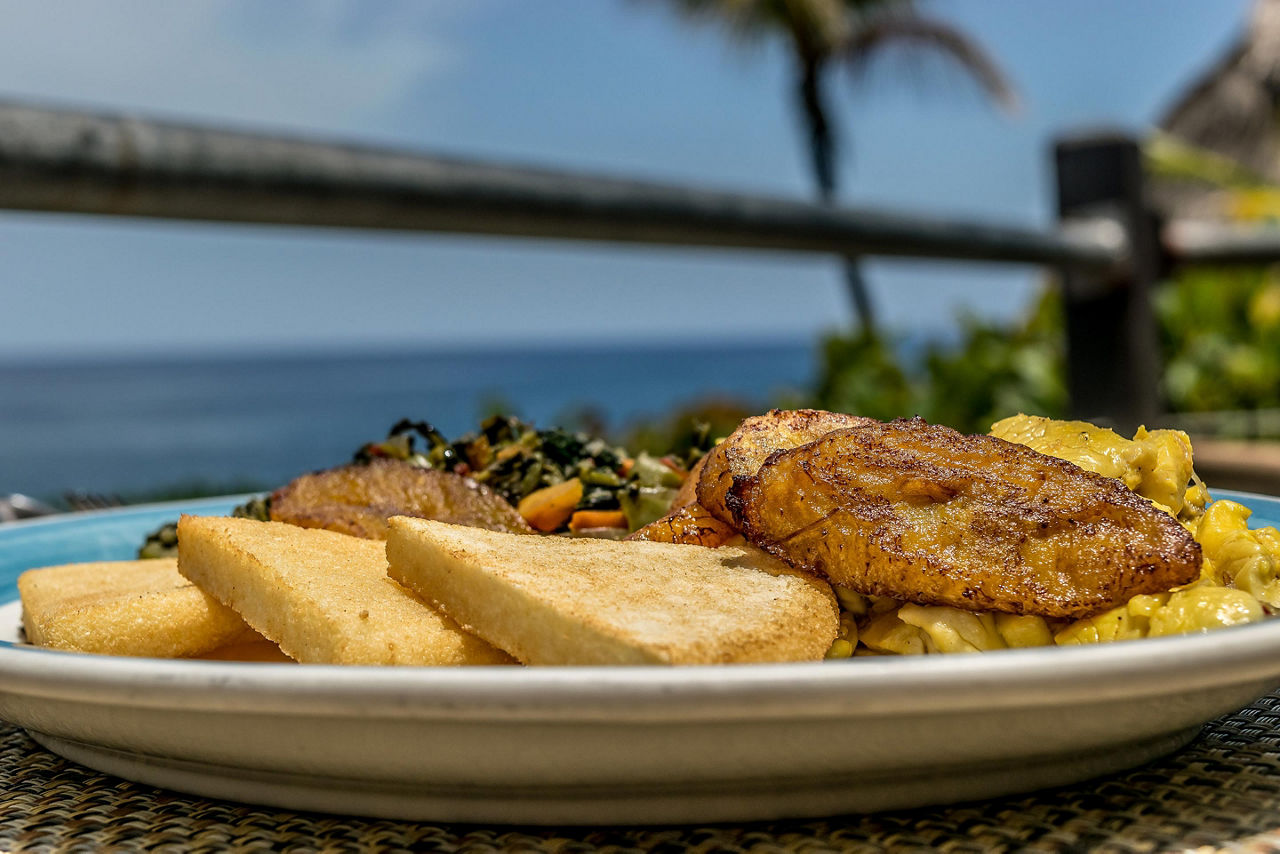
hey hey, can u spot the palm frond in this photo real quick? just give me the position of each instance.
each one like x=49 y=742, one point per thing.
x=915 y=33
x=744 y=20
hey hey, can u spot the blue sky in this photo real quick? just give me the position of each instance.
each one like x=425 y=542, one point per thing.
x=614 y=86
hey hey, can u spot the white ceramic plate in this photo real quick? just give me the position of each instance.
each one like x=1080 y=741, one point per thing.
x=611 y=745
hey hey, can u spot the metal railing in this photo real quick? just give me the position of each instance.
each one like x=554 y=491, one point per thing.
x=1108 y=249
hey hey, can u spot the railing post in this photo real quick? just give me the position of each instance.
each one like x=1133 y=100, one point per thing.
x=1113 y=358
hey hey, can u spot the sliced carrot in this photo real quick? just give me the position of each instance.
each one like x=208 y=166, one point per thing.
x=583 y=519
x=547 y=509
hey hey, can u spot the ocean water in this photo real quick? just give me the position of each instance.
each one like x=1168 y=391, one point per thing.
x=136 y=426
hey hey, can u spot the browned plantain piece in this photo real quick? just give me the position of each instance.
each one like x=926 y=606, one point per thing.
x=741 y=454
x=688 y=492
x=691 y=525
x=922 y=513
x=358 y=500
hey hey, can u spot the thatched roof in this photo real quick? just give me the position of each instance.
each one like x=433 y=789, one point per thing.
x=1231 y=112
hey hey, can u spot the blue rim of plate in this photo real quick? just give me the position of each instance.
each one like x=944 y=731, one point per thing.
x=114 y=534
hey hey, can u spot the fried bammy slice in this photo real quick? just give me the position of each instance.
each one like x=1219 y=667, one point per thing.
x=562 y=600
x=924 y=514
x=741 y=454
x=324 y=597
x=131 y=607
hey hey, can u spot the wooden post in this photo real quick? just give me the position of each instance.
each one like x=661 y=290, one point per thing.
x=1113 y=357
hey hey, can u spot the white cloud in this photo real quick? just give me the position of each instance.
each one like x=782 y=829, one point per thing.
x=331 y=66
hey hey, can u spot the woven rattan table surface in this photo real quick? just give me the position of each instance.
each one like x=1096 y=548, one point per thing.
x=1222 y=792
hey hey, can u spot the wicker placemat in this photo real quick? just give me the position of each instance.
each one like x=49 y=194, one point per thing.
x=1220 y=793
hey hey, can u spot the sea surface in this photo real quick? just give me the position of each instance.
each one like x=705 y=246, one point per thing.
x=139 y=426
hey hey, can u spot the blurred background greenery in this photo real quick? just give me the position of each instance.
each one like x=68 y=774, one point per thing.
x=1220 y=346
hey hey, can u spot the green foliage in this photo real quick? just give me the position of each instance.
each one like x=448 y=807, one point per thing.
x=998 y=372
x=994 y=372
x=1220 y=335
x=860 y=373
x=1219 y=332
x=688 y=433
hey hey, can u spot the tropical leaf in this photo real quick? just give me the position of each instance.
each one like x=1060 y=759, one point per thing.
x=914 y=33
x=815 y=28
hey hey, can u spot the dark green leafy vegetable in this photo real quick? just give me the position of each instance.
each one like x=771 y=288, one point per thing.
x=516 y=459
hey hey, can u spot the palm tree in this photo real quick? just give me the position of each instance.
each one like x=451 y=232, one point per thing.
x=826 y=34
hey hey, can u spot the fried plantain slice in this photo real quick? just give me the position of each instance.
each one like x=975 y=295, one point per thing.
x=358 y=499
x=927 y=515
x=688 y=492
x=741 y=454
x=691 y=525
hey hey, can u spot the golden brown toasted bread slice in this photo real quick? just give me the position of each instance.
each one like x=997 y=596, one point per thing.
x=358 y=499
x=924 y=514
x=324 y=597
x=558 y=600
x=741 y=454
x=133 y=607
